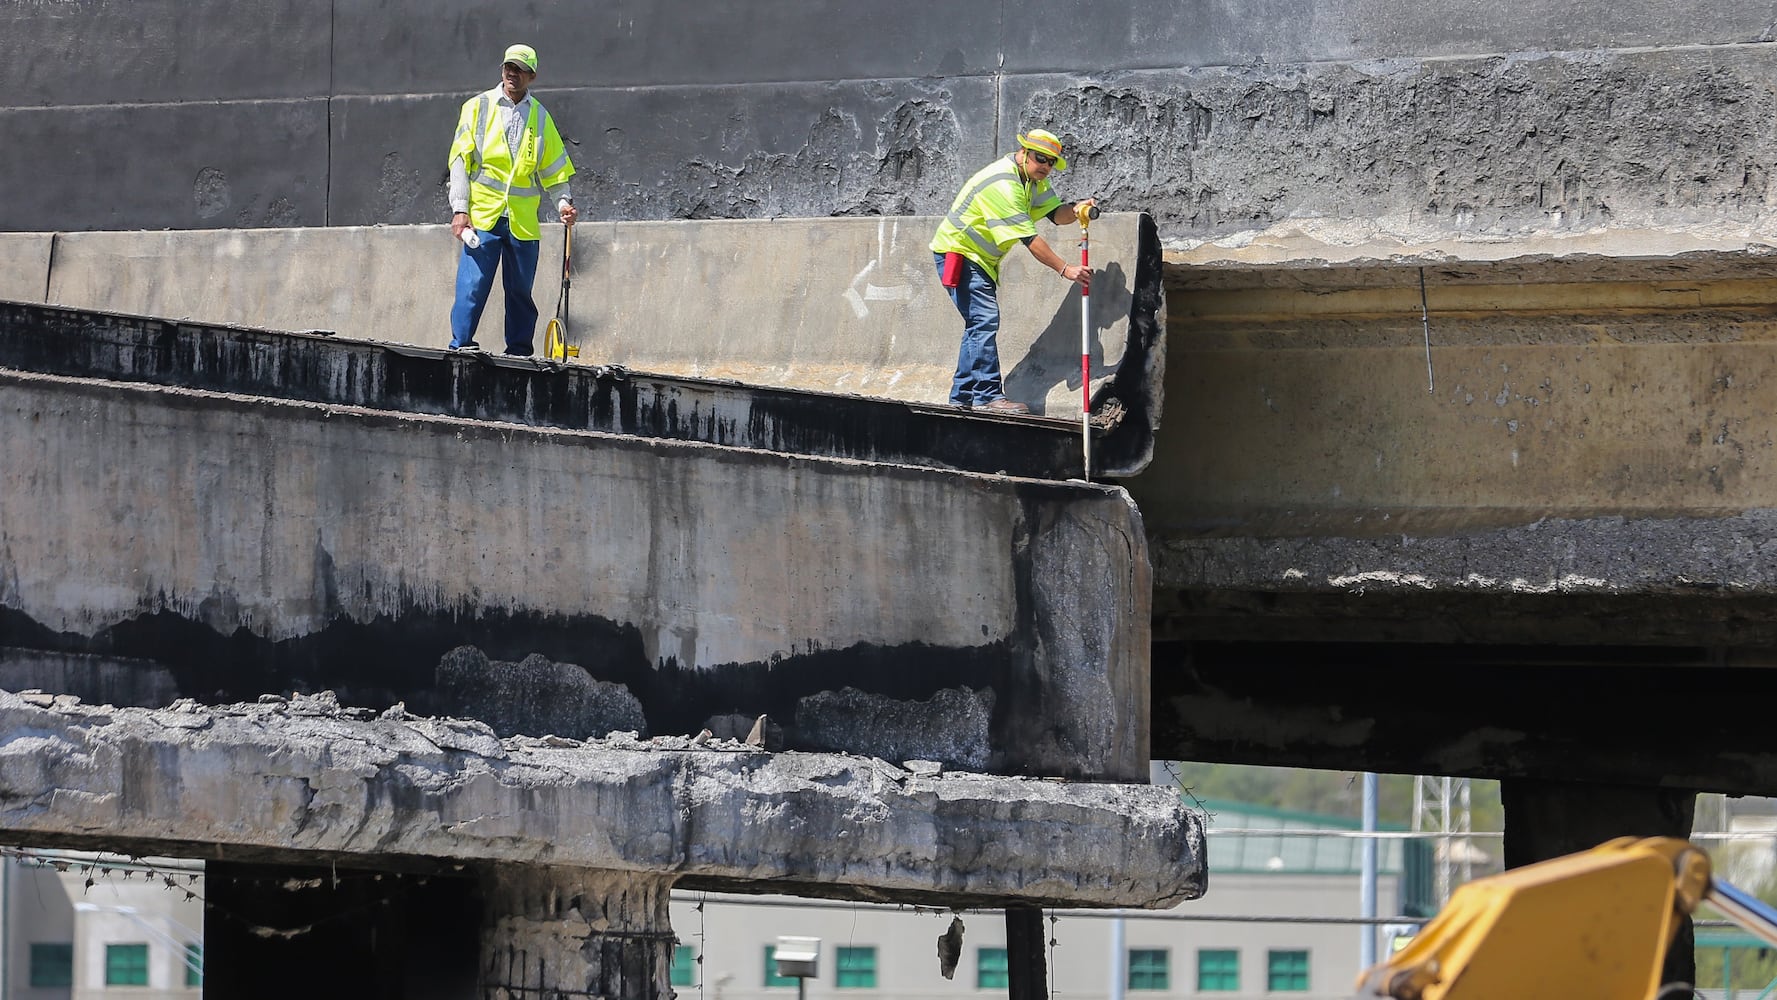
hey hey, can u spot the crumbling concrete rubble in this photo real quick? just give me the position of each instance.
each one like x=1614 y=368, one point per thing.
x=303 y=779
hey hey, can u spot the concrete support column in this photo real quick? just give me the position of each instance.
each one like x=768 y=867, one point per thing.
x=1546 y=819
x=558 y=933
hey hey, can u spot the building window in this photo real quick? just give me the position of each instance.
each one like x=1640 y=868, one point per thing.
x=52 y=965
x=126 y=965
x=684 y=965
x=1287 y=971
x=991 y=970
x=1149 y=969
x=194 y=965
x=857 y=968
x=771 y=976
x=1218 y=970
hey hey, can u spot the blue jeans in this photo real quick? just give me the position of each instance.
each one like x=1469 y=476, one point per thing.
x=977 y=378
x=516 y=260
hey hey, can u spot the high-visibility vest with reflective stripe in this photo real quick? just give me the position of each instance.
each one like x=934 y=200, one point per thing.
x=499 y=184
x=994 y=210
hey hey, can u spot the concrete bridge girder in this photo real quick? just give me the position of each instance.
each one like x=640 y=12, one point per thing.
x=705 y=581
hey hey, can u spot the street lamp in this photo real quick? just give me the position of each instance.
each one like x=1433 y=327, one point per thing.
x=798 y=958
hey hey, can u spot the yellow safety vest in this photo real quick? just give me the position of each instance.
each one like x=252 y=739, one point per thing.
x=498 y=185
x=994 y=210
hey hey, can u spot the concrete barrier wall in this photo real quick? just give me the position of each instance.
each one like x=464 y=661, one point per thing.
x=1215 y=118
x=836 y=305
x=24 y=266
x=251 y=545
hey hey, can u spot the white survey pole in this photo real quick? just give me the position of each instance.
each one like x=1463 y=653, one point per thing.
x=1086 y=215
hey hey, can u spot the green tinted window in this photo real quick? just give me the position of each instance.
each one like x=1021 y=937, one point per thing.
x=857 y=968
x=1286 y=971
x=194 y=965
x=1218 y=971
x=1149 y=969
x=126 y=965
x=52 y=965
x=991 y=970
x=684 y=965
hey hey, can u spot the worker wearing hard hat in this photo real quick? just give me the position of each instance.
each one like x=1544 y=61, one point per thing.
x=997 y=208
x=505 y=156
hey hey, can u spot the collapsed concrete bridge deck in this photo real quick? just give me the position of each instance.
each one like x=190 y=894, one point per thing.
x=305 y=781
x=575 y=844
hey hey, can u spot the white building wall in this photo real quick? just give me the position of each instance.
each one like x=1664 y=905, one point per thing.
x=38 y=910
x=732 y=932
x=43 y=905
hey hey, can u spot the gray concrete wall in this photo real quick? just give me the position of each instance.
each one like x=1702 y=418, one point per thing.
x=1476 y=117
x=249 y=545
x=835 y=305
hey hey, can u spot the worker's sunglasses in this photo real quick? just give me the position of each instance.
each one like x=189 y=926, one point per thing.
x=1044 y=159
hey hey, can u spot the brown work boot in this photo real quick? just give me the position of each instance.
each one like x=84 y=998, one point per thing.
x=1003 y=405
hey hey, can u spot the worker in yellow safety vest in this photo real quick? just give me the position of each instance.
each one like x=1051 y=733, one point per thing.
x=996 y=209
x=505 y=156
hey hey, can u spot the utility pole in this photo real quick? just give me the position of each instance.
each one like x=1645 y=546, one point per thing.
x=1442 y=806
x=1367 y=948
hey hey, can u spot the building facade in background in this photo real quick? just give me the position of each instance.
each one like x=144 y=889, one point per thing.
x=70 y=939
x=1287 y=899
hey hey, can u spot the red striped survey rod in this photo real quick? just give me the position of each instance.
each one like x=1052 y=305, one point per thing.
x=1087 y=214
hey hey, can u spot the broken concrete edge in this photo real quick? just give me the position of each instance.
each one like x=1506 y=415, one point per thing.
x=1627 y=552
x=1301 y=244
x=301 y=780
x=1130 y=403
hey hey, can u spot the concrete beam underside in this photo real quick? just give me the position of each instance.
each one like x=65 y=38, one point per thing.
x=1581 y=455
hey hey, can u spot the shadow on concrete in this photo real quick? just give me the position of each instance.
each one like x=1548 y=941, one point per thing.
x=1054 y=357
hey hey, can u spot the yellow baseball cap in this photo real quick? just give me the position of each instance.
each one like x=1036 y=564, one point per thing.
x=1040 y=141
x=522 y=55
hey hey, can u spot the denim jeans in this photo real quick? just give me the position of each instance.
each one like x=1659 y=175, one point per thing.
x=977 y=379
x=516 y=260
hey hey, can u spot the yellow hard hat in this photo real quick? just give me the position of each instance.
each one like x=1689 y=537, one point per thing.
x=1040 y=141
x=522 y=55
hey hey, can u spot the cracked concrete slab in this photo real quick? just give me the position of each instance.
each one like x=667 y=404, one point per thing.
x=302 y=780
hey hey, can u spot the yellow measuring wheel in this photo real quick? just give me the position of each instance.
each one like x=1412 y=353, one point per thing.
x=555 y=335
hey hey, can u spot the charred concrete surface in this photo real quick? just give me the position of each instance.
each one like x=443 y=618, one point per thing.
x=327 y=369
x=305 y=780
x=241 y=544
x=1215 y=118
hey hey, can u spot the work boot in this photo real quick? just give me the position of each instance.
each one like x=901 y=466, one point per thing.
x=1003 y=405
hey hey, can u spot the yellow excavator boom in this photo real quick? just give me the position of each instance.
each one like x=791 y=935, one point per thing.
x=1593 y=924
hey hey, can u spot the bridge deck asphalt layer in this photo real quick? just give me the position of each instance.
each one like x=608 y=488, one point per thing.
x=302 y=781
x=487 y=386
